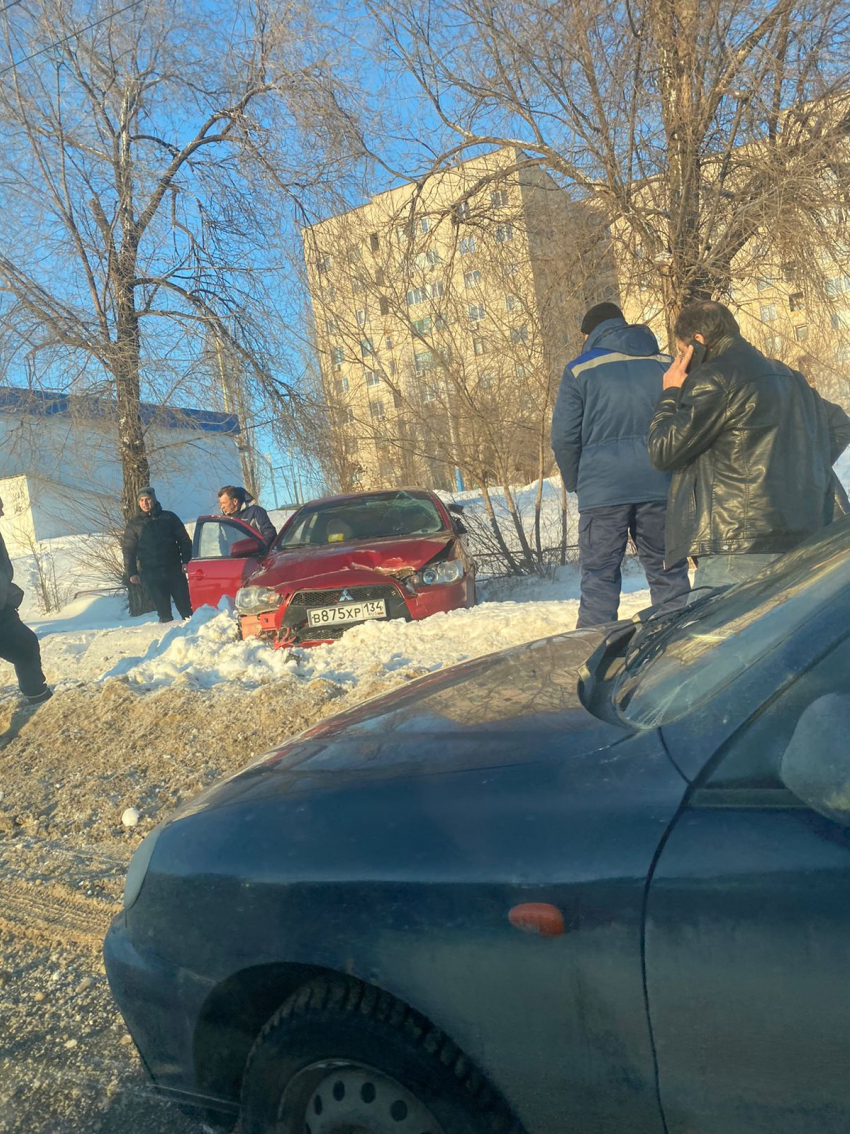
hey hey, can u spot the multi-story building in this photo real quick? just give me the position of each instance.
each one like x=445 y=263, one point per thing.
x=444 y=313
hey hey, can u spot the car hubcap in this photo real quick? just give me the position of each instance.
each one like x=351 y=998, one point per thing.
x=344 y=1098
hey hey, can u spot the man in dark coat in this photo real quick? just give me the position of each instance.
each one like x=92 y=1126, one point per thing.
x=18 y=644
x=156 y=545
x=599 y=431
x=750 y=445
x=238 y=503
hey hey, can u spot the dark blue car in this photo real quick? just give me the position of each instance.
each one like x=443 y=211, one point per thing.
x=598 y=883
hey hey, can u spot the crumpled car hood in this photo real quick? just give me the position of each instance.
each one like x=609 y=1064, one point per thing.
x=384 y=557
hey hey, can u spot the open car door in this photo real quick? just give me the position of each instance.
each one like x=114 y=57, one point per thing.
x=225 y=552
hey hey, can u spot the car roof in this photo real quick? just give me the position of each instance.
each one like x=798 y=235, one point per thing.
x=343 y=497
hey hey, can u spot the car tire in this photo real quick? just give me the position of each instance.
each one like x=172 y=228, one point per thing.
x=342 y=1054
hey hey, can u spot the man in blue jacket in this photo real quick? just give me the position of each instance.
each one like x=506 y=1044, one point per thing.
x=599 y=437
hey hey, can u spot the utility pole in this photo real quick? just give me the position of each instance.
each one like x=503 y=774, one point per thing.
x=268 y=458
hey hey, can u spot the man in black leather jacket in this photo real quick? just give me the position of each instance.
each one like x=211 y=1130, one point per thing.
x=751 y=447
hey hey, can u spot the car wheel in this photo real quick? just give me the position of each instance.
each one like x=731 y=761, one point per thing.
x=340 y=1056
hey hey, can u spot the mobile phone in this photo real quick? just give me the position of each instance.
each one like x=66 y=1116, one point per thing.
x=700 y=351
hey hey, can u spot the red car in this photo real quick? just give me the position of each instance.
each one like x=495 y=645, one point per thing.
x=336 y=562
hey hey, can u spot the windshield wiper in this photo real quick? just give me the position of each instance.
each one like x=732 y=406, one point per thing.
x=653 y=632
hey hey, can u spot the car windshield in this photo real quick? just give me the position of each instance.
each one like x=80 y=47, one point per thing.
x=680 y=666
x=384 y=515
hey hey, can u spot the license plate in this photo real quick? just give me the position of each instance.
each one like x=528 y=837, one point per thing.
x=347 y=612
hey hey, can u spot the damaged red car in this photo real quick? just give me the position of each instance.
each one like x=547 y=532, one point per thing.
x=336 y=563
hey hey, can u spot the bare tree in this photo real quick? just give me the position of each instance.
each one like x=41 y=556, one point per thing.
x=137 y=162
x=695 y=126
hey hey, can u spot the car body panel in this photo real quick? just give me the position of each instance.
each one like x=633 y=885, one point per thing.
x=392 y=844
x=212 y=577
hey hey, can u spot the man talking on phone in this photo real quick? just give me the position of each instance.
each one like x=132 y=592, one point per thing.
x=751 y=448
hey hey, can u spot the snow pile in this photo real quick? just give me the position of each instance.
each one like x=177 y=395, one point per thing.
x=206 y=651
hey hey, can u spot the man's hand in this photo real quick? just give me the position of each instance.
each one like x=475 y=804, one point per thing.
x=676 y=374
x=135 y=579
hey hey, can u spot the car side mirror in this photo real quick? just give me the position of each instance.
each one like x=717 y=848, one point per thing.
x=245 y=548
x=816 y=763
x=460 y=527
x=456 y=508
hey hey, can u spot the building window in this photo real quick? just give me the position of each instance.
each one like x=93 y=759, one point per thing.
x=324 y=263
x=435 y=289
x=520 y=370
x=357 y=286
x=337 y=355
x=429 y=394
x=511 y=269
x=772 y=345
x=416 y=295
x=366 y=347
x=360 y=316
x=372 y=379
x=797 y=302
x=835 y=286
x=330 y=326
x=768 y=313
x=342 y=385
x=403 y=232
x=422 y=326
x=384 y=305
x=510 y=302
x=354 y=255
x=379 y=277
x=388 y=342
x=840 y=320
x=348 y=416
x=462 y=210
x=471 y=279
x=503 y=233
x=423 y=361
x=374 y=242
x=476 y=312
x=486 y=379
x=519 y=334
x=801 y=333
x=424 y=224
x=842 y=353
x=467 y=244
x=426 y=259
x=376 y=409
x=392 y=366
x=480 y=346
x=499 y=198
x=330 y=294
x=763 y=283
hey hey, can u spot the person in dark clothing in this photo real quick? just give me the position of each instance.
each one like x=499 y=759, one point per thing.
x=155 y=546
x=18 y=644
x=599 y=434
x=751 y=447
x=238 y=503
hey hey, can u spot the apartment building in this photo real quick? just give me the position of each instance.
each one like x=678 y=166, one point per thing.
x=444 y=313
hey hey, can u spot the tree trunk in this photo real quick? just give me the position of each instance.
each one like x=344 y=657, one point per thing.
x=520 y=530
x=125 y=370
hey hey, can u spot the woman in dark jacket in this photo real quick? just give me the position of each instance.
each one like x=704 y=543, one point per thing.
x=238 y=503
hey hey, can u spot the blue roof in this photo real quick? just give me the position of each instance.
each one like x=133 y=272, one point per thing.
x=46 y=403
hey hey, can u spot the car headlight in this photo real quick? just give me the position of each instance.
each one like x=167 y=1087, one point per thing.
x=138 y=867
x=448 y=571
x=253 y=600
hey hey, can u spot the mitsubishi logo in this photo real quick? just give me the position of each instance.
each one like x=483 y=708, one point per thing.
x=345 y=596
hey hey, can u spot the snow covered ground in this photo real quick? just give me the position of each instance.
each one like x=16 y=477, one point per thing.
x=93 y=639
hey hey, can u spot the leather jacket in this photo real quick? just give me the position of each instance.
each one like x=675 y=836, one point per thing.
x=751 y=447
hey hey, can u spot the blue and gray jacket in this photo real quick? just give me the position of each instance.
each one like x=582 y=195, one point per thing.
x=602 y=415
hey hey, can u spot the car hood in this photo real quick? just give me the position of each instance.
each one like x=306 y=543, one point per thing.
x=507 y=708
x=385 y=557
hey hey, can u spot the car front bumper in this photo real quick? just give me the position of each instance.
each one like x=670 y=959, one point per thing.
x=161 y=1004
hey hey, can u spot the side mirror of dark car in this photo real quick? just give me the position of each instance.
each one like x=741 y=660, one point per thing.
x=460 y=527
x=245 y=548
x=816 y=763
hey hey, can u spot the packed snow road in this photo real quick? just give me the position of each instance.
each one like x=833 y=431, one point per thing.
x=144 y=717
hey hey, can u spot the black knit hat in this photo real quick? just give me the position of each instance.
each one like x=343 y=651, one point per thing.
x=598 y=314
x=146 y=492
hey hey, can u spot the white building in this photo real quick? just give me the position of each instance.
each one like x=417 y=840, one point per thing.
x=60 y=475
